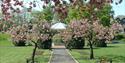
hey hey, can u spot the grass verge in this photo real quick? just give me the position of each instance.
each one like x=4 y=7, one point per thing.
x=116 y=52
x=12 y=54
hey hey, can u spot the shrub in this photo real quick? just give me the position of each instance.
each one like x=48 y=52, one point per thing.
x=119 y=36
x=18 y=35
x=76 y=43
x=73 y=37
x=100 y=43
x=19 y=42
x=44 y=42
x=45 y=39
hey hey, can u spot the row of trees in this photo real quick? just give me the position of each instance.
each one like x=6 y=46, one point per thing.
x=90 y=21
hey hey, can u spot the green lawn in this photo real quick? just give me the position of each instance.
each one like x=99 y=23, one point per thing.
x=12 y=54
x=116 y=52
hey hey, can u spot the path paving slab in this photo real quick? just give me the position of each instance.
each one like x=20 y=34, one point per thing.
x=60 y=55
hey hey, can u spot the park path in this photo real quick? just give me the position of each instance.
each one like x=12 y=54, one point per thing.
x=60 y=55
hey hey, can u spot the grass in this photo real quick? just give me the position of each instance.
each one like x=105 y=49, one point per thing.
x=5 y=40
x=12 y=54
x=116 y=52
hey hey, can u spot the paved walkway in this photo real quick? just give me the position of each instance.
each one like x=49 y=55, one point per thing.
x=60 y=55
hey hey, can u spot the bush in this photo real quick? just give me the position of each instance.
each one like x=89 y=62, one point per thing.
x=119 y=37
x=100 y=43
x=45 y=39
x=75 y=43
x=44 y=44
x=74 y=35
x=19 y=35
x=19 y=42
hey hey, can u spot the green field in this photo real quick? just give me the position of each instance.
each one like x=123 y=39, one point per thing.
x=116 y=52
x=12 y=54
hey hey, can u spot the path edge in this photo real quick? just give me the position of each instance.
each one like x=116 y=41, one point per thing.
x=71 y=56
x=50 y=56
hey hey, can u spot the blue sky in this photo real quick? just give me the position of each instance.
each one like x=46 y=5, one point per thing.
x=119 y=9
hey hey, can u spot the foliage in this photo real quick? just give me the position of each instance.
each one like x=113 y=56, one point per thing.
x=72 y=14
x=19 y=35
x=44 y=44
x=77 y=13
x=60 y=10
x=80 y=28
x=105 y=20
x=72 y=41
x=57 y=40
x=119 y=36
x=94 y=33
x=77 y=10
x=46 y=14
x=104 y=14
x=93 y=30
x=39 y=33
x=45 y=39
x=4 y=25
x=74 y=35
x=100 y=43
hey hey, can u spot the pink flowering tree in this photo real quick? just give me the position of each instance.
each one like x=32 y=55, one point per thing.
x=40 y=34
x=82 y=29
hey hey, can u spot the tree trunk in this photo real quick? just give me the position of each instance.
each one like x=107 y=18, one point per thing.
x=91 y=50
x=33 y=54
x=91 y=44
